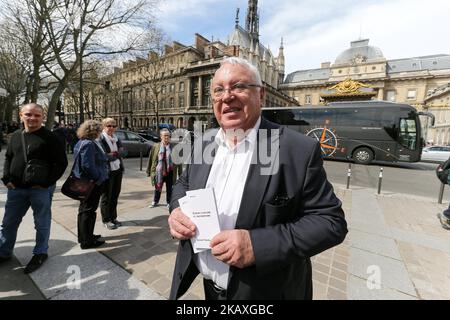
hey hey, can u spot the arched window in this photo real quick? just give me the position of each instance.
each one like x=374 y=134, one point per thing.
x=180 y=123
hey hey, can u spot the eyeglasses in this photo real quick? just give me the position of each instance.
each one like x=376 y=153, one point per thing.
x=111 y=126
x=237 y=88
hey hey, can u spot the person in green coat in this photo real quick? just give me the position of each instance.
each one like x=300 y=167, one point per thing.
x=161 y=169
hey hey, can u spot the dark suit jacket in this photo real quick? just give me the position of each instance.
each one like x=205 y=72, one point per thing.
x=292 y=215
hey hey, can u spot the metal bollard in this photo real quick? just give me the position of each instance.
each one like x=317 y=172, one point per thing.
x=349 y=174
x=441 y=193
x=140 y=155
x=380 y=179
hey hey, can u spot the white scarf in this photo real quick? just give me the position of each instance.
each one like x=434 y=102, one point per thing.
x=112 y=143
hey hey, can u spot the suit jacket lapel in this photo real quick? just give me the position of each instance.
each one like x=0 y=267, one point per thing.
x=200 y=173
x=255 y=185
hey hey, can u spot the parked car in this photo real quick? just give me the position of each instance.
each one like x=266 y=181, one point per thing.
x=133 y=142
x=169 y=126
x=435 y=153
x=150 y=135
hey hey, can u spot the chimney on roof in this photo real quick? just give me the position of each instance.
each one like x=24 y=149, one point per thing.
x=168 y=49
x=325 y=65
x=200 y=42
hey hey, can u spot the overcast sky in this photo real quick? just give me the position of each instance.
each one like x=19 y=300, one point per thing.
x=316 y=31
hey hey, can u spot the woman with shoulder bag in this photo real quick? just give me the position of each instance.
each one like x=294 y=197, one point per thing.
x=92 y=163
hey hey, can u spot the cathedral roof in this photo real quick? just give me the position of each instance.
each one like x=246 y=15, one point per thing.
x=240 y=37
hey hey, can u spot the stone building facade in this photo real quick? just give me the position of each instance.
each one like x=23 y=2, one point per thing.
x=414 y=81
x=437 y=102
x=175 y=86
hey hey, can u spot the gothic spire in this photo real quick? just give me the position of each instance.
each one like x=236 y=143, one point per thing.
x=252 y=22
x=280 y=62
x=237 y=17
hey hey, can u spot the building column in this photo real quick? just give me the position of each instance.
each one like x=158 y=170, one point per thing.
x=200 y=92
x=380 y=94
x=188 y=96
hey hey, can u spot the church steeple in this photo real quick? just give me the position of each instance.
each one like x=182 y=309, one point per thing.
x=280 y=62
x=252 y=22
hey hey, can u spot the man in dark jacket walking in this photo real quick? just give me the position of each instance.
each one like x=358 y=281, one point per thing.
x=34 y=144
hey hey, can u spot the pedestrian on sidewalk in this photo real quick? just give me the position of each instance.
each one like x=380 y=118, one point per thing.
x=114 y=151
x=92 y=164
x=271 y=221
x=39 y=150
x=72 y=138
x=161 y=169
x=444 y=217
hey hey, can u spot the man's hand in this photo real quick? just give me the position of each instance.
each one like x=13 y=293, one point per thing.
x=234 y=247
x=181 y=227
x=10 y=185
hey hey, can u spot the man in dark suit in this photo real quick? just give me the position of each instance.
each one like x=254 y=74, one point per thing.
x=273 y=221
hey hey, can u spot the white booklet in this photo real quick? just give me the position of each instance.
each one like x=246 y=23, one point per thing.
x=200 y=206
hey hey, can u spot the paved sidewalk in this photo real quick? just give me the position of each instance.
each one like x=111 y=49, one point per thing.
x=396 y=249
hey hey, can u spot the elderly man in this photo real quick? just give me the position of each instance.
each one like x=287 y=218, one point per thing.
x=40 y=146
x=271 y=224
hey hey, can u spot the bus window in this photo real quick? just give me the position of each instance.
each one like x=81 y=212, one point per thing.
x=317 y=117
x=285 y=117
x=408 y=133
x=367 y=117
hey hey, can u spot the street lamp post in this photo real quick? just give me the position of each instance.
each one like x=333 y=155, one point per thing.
x=131 y=108
x=81 y=76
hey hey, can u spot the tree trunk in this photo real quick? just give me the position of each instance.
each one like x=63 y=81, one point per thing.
x=54 y=103
x=28 y=86
x=36 y=84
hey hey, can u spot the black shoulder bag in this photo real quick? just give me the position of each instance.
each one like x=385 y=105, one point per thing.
x=36 y=170
x=77 y=188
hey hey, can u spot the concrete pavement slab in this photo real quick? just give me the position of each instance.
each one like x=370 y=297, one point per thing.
x=374 y=243
x=359 y=290
x=391 y=273
x=15 y=285
x=113 y=284
x=425 y=240
x=72 y=273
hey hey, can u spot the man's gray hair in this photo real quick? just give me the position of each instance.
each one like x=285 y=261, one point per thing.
x=246 y=64
x=164 y=131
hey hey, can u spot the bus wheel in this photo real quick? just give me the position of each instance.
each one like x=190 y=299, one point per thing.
x=363 y=156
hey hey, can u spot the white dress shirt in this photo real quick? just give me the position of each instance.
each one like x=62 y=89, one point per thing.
x=227 y=177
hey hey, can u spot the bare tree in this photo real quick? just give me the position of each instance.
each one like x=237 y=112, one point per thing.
x=155 y=73
x=66 y=33
x=149 y=68
x=28 y=21
x=14 y=68
x=94 y=87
